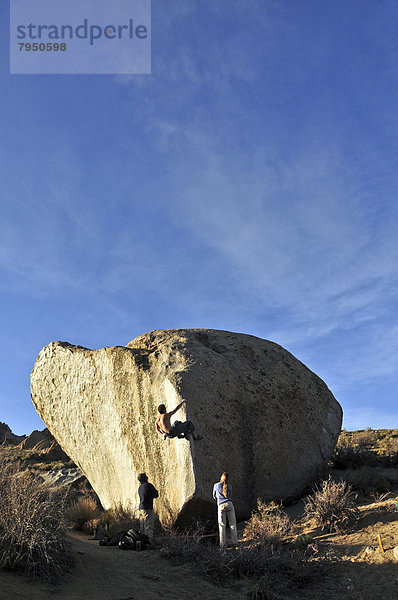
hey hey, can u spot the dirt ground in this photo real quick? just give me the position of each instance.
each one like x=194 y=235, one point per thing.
x=107 y=573
x=358 y=568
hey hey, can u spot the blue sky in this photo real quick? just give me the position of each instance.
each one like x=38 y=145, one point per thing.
x=248 y=184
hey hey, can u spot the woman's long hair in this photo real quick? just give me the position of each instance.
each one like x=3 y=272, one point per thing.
x=224 y=479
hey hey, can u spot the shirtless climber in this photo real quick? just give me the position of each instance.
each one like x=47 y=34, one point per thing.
x=178 y=429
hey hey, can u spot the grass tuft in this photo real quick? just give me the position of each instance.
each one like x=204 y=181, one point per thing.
x=82 y=511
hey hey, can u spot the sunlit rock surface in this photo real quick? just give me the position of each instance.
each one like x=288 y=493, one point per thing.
x=264 y=416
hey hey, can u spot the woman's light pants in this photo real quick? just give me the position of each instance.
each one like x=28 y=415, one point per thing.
x=226 y=514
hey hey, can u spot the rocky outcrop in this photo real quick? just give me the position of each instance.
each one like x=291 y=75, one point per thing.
x=264 y=416
x=67 y=477
x=44 y=443
x=41 y=456
x=37 y=439
x=7 y=437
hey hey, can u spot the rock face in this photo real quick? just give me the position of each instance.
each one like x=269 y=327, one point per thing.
x=7 y=437
x=44 y=442
x=37 y=439
x=264 y=416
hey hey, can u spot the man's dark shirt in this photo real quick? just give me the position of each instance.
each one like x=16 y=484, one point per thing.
x=147 y=493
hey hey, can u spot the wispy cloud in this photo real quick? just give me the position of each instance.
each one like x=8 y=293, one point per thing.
x=247 y=184
x=305 y=242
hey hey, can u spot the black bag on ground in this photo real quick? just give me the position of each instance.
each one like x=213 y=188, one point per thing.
x=133 y=540
x=113 y=540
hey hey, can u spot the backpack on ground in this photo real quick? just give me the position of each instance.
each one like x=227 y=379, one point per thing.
x=112 y=540
x=133 y=540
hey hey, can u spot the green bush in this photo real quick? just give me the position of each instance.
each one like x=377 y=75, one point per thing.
x=32 y=523
x=332 y=505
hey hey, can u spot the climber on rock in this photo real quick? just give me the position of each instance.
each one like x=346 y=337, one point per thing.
x=177 y=429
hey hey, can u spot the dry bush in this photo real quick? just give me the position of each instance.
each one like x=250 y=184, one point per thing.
x=280 y=566
x=349 y=456
x=186 y=543
x=119 y=519
x=268 y=524
x=302 y=542
x=390 y=444
x=32 y=522
x=378 y=497
x=366 y=481
x=332 y=505
x=366 y=447
x=366 y=438
x=388 y=449
x=285 y=575
x=277 y=571
x=81 y=511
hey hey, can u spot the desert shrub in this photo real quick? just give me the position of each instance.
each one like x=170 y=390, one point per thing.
x=379 y=496
x=303 y=541
x=366 y=438
x=268 y=523
x=81 y=511
x=390 y=444
x=388 y=449
x=91 y=526
x=119 y=519
x=279 y=566
x=366 y=447
x=277 y=570
x=366 y=481
x=348 y=456
x=285 y=575
x=183 y=545
x=32 y=522
x=332 y=505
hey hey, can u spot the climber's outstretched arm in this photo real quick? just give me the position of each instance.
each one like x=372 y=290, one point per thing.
x=177 y=408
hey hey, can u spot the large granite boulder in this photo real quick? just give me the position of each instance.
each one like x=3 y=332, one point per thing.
x=264 y=416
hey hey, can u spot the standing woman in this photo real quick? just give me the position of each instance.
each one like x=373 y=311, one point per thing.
x=222 y=492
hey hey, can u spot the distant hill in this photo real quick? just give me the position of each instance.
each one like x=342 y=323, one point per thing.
x=7 y=437
x=380 y=441
x=40 y=454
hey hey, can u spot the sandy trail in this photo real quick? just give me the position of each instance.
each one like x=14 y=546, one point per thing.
x=107 y=573
x=358 y=570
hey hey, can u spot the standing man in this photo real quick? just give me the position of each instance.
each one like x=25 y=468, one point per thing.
x=147 y=492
